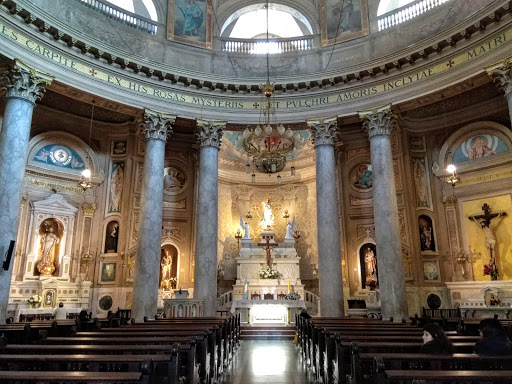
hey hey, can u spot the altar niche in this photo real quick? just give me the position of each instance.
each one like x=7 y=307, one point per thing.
x=50 y=237
x=168 y=267
x=111 y=237
x=368 y=266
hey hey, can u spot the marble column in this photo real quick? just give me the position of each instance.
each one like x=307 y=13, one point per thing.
x=209 y=137
x=502 y=75
x=378 y=123
x=155 y=129
x=23 y=85
x=324 y=133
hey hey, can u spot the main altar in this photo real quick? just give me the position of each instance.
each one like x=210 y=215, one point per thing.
x=260 y=299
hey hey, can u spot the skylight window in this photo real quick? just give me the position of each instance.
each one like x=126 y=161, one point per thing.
x=253 y=25
x=144 y=8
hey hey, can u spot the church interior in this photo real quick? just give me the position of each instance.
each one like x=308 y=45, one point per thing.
x=198 y=158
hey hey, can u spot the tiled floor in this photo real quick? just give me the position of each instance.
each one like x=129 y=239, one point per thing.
x=266 y=361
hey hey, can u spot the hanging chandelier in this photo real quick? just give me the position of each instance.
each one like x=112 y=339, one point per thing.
x=269 y=143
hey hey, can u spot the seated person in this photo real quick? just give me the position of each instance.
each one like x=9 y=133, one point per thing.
x=435 y=340
x=494 y=339
x=304 y=313
x=61 y=313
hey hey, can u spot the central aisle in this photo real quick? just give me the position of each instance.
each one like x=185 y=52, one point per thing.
x=266 y=361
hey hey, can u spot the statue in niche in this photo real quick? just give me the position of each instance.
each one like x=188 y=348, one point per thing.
x=111 y=237
x=168 y=267
x=427 y=238
x=368 y=262
x=48 y=246
x=420 y=182
x=268 y=218
x=116 y=187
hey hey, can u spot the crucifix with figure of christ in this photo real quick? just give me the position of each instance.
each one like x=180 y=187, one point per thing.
x=267 y=246
x=485 y=223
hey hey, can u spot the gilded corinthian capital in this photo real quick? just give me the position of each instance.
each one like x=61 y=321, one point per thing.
x=378 y=121
x=323 y=131
x=23 y=82
x=502 y=74
x=156 y=125
x=209 y=133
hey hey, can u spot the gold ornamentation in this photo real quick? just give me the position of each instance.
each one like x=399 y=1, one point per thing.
x=88 y=209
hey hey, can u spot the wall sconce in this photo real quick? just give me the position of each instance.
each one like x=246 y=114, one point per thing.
x=278 y=179
x=292 y=171
x=452 y=177
x=248 y=216
x=296 y=234
x=238 y=236
x=286 y=214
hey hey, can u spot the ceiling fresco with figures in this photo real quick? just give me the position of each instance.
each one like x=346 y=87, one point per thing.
x=237 y=160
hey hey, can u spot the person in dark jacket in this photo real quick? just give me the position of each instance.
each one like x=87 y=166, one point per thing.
x=435 y=340
x=494 y=339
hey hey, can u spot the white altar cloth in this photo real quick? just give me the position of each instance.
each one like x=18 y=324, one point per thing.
x=41 y=311
x=237 y=304
x=267 y=311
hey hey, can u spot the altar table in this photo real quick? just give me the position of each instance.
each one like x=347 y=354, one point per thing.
x=45 y=311
x=267 y=311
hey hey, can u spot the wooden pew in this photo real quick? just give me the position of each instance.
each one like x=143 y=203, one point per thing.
x=384 y=376
x=363 y=364
x=56 y=377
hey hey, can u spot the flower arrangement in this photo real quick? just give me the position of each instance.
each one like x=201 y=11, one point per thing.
x=173 y=281
x=34 y=300
x=269 y=273
x=491 y=270
x=293 y=296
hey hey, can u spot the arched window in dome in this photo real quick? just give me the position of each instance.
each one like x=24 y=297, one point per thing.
x=144 y=8
x=250 y=23
x=394 y=12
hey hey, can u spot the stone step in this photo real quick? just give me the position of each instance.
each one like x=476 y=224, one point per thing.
x=267 y=333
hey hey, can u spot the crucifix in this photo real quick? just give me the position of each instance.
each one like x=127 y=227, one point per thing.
x=485 y=223
x=267 y=246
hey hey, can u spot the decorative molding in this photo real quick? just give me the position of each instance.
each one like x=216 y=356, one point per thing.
x=23 y=82
x=323 y=131
x=209 y=133
x=157 y=125
x=88 y=209
x=378 y=121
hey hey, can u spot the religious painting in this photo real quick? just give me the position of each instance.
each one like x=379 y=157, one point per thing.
x=50 y=237
x=174 y=180
x=118 y=148
x=478 y=147
x=427 y=236
x=342 y=20
x=417 y=143
x=431 y=270
x=116 y=181
x=111 y=237
x=60 y=156
x=49 y=298
x=361 y=176
x=168 y=267
x=368 y=263
x=421 y=182
x=107 y=273
x=190 y=22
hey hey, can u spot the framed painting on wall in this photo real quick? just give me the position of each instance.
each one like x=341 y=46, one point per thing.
x=107 y=273
x=342 y=20
x=190 y=22
x=431 y=270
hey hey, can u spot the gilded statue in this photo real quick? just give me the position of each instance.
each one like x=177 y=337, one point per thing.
x=47 y=247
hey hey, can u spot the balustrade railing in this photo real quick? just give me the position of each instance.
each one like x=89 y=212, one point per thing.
x=274 y=46
x=123 y=16
x=407 y=12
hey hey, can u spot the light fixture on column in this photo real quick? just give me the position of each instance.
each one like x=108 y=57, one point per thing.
x=452 y=177
x=85 y=177
x=269 y=143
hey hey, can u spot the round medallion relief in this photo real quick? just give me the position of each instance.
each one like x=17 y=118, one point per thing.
x=174 y=180
x=433 y=301
x=106 y=303
x=361 y=177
